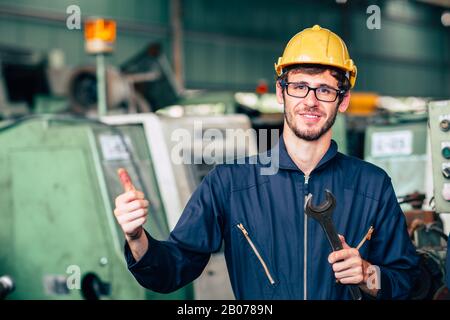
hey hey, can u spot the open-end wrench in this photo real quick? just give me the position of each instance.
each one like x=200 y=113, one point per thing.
x=323 y=214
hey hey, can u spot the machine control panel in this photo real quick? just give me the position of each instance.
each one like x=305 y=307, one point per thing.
x=439 y=123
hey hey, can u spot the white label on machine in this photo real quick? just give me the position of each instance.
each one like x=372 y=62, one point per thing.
x=394 y=143
x=113 y=147
x=444 y=117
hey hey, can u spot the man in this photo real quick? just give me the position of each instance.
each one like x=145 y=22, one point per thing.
x=272 y=250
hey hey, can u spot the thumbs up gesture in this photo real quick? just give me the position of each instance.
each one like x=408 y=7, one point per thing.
x=131 y=208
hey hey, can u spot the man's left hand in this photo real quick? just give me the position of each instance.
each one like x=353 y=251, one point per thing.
x=349 y=267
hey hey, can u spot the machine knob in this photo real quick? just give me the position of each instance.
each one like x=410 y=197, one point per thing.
x=446 y=152
x=6 y=286
x=446 y=173
x=444 y=125
x=93 y=288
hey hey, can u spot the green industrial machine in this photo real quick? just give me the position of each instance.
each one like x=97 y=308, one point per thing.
x=59 y=237
x=400 y=149
x=440 y=153
x=438 y=127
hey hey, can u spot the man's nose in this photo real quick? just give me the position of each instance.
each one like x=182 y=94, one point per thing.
x=310 y=100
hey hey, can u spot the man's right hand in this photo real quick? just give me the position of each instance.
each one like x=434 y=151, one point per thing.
x=131 y=213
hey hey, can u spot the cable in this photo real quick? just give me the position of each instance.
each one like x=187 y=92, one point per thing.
x=437 y=230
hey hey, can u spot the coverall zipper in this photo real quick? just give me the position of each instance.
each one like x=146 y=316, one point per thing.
x=261 y=260
x=305 y=243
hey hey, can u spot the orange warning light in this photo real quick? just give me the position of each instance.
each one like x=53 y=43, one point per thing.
x=100 y=35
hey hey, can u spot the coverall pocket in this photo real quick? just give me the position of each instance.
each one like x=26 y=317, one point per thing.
x=257 y=253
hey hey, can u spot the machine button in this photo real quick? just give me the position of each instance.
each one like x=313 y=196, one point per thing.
x=446 y=173
x=446 y=152
x=444 y=125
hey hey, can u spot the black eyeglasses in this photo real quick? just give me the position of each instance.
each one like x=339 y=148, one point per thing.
x=301 y=90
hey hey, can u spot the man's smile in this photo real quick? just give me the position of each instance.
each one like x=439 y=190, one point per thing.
x=310 y=117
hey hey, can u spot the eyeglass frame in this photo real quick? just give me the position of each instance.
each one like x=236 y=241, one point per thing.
x=339 y=92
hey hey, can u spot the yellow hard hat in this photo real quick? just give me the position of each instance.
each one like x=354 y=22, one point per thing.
x=317 y=45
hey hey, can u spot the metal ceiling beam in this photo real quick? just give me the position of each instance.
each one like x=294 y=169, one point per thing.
x=440 y=3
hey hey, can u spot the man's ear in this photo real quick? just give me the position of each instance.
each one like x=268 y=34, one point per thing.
x=345 y=102
x=279 y=91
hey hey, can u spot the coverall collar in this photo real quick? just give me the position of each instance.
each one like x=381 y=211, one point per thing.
x=287 y=163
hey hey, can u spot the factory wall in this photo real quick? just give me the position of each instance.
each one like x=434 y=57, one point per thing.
x=233 y=44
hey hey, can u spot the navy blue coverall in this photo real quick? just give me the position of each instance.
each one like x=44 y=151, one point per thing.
x=272 y=250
